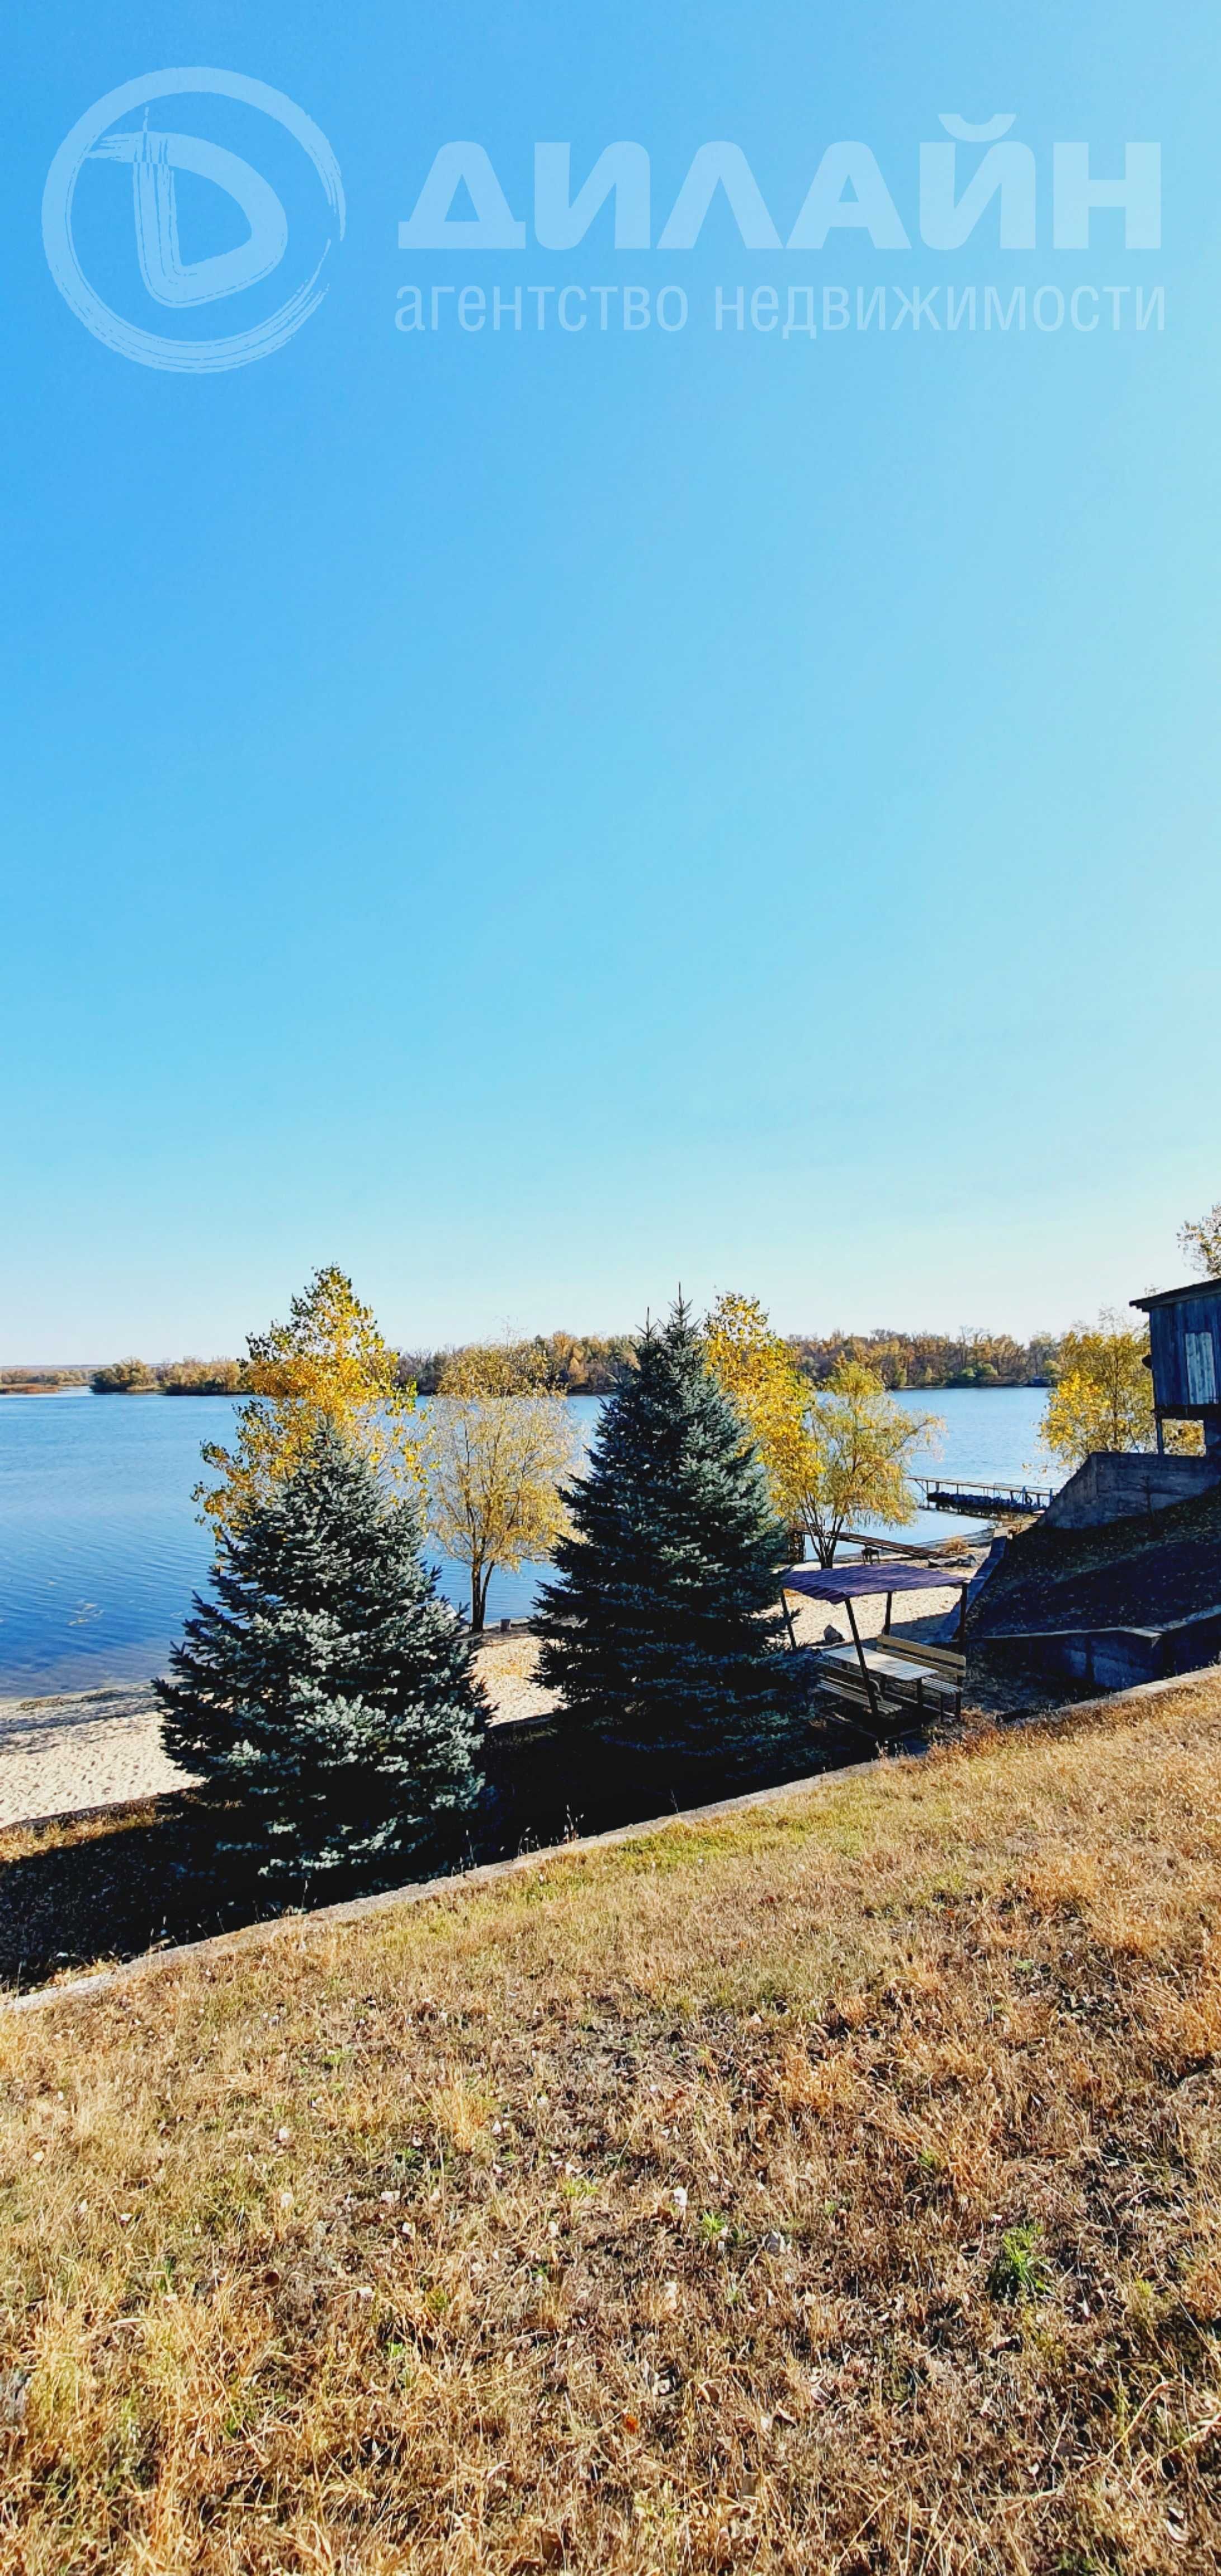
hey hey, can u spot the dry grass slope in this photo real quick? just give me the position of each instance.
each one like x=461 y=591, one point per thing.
x=834 y=2187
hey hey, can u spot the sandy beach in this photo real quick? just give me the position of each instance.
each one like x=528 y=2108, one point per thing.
x=95 y=1748
x=102 y=1747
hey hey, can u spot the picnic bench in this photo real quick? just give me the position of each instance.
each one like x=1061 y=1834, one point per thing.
x=891 y=1680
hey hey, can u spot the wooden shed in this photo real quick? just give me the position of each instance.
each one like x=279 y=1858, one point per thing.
x=1185 y=1356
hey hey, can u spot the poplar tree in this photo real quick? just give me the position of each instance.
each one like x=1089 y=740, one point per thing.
x=324 y=1694
x=500 y=1444
x=662 y=1631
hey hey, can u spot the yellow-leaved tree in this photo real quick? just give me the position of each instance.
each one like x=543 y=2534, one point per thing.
x=328 y=1362
x=760 y=1376
x=832 y=1458
x=1103 y=1395
x=1201 y=1241
x=501 y=1444
x=865 y=1442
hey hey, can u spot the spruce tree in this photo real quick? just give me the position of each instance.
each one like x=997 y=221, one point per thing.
x=662 y=1632
x=325 y=1694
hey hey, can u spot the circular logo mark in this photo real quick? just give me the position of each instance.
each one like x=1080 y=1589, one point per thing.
x=153 y=157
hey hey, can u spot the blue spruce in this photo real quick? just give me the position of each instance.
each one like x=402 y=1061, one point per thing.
x=662 y=1632
x=325 y=1694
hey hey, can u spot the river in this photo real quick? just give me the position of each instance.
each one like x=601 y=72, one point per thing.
x=101 y=1549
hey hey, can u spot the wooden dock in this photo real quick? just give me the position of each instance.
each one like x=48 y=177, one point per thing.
x=966 y=1494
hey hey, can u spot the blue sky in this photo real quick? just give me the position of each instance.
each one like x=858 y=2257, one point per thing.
x=537 y=817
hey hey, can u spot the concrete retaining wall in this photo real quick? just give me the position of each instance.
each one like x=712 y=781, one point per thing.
x=1116 y=1658
x=1124 y=1485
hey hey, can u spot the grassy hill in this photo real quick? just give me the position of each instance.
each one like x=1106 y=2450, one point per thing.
x=835 y=2185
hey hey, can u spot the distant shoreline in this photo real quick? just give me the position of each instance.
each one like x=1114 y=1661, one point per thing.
x=214 y=1395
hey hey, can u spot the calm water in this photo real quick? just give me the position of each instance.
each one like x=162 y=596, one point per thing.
x=100 y=1549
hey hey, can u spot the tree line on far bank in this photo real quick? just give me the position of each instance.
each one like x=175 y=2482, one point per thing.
x=171 y=1377
x=589 y=1365
x=593 y=1364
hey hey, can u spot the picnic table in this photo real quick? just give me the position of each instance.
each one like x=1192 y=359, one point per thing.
x=895 y=1673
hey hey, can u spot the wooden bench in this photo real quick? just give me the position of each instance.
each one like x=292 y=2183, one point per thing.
x=944 y=1659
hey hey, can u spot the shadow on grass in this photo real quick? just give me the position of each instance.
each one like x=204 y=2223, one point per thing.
x=74 y=1894
x=78 y=1892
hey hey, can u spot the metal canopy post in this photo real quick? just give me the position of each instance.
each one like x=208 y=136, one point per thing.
x=866 y=1675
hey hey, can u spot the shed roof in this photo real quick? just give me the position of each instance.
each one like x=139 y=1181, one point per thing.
x=847 y=1582
x=1195 y=1289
